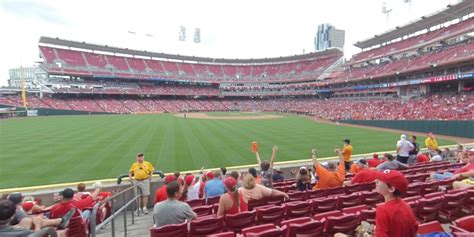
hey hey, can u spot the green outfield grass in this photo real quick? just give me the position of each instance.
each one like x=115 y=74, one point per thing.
x=47 y=150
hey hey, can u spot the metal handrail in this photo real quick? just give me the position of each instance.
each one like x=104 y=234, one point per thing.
x=94 y=228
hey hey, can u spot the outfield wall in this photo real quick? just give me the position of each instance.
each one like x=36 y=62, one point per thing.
x=48 y=112
x=462 y=128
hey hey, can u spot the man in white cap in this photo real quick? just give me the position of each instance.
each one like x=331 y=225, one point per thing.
x=403 y=149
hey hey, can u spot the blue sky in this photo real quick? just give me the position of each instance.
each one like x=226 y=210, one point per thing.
x=229 y=29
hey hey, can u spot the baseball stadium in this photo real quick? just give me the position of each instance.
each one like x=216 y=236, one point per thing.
x=101 y=140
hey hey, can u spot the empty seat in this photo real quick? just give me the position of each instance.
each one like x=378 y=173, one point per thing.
x=223 y=234
x=312 y=194
x=462 y=226
x=307 y=229
x=429 y=187
x=427 y=209
x=206 y=226
x=170 y=230
x=451 y=207
x=321 y=205
x=335 y=191
x=297 y=196
x=414 y=189
x=297 y=209
x=345 y=224
x=354 y=209
x=195 y=202
x=429 y=227
x=371 y=198
x=267 y=233
x=275 y=200
x=468 y=206
x=236 y=222
x=368 y=215
x=273 y=214
x=203 y=210
x=252 y=203
x=325 y=215
x=350 y=200
x=257 y=229
x=212 y=200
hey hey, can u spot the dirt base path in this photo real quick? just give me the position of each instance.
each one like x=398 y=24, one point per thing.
x=240 y=117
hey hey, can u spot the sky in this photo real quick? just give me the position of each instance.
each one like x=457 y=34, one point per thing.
x=229 y=28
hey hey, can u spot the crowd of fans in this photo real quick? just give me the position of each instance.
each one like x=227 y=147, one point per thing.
x=434 y=107
x=233 y=192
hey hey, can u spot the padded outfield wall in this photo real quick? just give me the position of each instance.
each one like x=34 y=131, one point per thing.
x=461 y=128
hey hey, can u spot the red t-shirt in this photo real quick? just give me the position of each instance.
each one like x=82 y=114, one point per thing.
x=60 y=209
x=364 y=176
x=373 y=162
x=85 y=203
x=161 y=194
x=422 y=158
x=465 y=168
x=395 y=218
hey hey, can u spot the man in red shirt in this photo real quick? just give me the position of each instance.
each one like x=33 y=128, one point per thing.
x=161 y=194
x=394 y=218
x=68 y=202
x=374 y=162
x=422 y=158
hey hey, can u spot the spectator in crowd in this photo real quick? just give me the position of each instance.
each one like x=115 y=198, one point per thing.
x=252 y=190
x=448 y=155
x=431 y=143
x=224 y=172
x=209 y=175
x=253 y=172
x=461 y=156
x=391 y=164
x=177 y=175
x=193 y=190
x=277 y=174
x=374 y=162
x=437 y=157
x=161 y=194
x=467 y=182
x=266 y=168
x=142 y=172
x=347 y=153
x=358 y=166
x=172 y=211
x=231 y=202
x=422 y=158
x=365 y=175
x=394 y=217
x=188 y=186
x=83 y=206
x=235 y=174
x=214 y=187
x=29 y=226
x=331 y=177
x=303 y=177
x=81 y=190
x=459 y=172
x=414 y=152
x=403 y=149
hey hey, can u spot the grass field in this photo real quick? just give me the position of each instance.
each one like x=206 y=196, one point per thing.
x=46 y=150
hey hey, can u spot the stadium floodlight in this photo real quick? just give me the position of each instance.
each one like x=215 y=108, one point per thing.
x=182 y=33
x=197 y=35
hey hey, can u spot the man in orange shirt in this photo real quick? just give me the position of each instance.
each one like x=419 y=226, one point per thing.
x=331 y=177
x=346 y=153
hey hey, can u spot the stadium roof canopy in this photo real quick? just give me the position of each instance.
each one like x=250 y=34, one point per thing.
x=450 y=12
x=116 y=50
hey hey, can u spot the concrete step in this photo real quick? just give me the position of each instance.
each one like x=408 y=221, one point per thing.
x=140 y=228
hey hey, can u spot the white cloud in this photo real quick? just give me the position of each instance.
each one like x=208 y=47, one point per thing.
x=229 y=29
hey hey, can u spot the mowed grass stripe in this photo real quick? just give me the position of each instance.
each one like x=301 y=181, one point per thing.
x=73 y=148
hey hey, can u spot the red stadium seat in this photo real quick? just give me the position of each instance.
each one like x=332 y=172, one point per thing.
x=237 y=222
x=429 y=227
x=345 y=224
x=464 y=224
x=212 y=200
x=350 y=200
x=451 y=207
x=203 y=210
x=321 y=205
x=267 y=233
x=323 y=216
x=273 y=214
x=297 y=196
x=275 y=200
x=297 y=209
x=257 y=229
x=77 y=227
x=307 y=229
x=252 y=203
x=170 y=230
x=195 y=202
x=206 y=226
x=428 y=209
x=371 y=198
x=312 y=194
x=223 y=234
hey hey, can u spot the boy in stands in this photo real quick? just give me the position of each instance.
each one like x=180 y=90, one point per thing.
x=394 y=217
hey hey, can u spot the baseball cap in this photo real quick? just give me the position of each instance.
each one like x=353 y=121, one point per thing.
x=277 y=168
x=393 y=178
x=230 y=183
x=253 y=172
x=169 y=178
x=7 y=209
x=347 y=140
x=403 y=137
x=189 y=179
x=209 y=174
x=303 y=168
x=16 y=198
x=362 y=162
x=27 y=206
x=67 y=193
x=376 y=156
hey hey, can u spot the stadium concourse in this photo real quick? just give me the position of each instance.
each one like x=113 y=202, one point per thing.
x=420 y=71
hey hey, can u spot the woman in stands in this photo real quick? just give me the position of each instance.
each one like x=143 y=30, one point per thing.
x=304 y=179
x=231 y=202
x=252 y=190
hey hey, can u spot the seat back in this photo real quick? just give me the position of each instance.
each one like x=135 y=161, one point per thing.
x=367 y=215
x=257 y=229
x=206 y=226
x=325 y=215
x=371 y=198
x=350 y=200
x=427 y=209
x=252 y=203
x=295 y=221
x=307 y=229
x=195 y=202
x=354 y=209
x=297 y=209
x=268 y=233
x=466 y=223
x=297 y=196
x=223 y=234
x=213 y=200
x=275 y=200
x=312 y=194
x=321 y=205
x=335 y=191
x=203 y=210
x=429 y=227
x=237 y=222
x=273 y=214
x=170 y=230
x=342 y=224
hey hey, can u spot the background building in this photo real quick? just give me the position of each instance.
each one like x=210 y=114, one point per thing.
x=328 y=36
